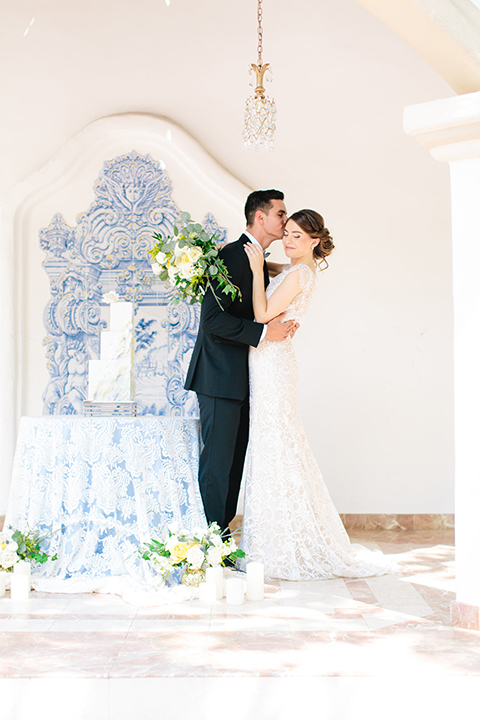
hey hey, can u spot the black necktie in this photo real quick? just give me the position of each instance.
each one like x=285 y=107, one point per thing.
x=265 y=274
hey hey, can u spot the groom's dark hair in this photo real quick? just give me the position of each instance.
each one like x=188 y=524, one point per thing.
x=260 y=200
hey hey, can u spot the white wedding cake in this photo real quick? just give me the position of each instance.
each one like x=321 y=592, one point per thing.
x=111 y=379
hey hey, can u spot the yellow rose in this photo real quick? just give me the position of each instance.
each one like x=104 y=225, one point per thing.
x=180 y=550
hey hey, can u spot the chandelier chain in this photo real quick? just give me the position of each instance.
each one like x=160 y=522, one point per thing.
x=259 y=32
x=260 y=111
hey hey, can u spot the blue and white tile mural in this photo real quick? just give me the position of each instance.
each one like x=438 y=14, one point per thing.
x=107 y=250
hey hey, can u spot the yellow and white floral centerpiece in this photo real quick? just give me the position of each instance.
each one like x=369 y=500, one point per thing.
x=190 y=263
x=16 y=545
x=191 y=550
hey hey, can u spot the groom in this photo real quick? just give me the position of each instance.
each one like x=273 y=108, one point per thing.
x=218 y=370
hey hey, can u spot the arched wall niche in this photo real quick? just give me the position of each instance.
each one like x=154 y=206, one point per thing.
x=65 y=186
x=446 y=33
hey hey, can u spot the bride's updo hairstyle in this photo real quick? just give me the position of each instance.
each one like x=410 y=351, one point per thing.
x=313 y=224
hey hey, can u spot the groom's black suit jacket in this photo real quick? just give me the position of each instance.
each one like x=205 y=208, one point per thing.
x=219 y=364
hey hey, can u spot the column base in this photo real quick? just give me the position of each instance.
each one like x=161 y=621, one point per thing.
x=465 y=616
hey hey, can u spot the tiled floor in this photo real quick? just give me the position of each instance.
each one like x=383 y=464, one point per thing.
x=391 y=627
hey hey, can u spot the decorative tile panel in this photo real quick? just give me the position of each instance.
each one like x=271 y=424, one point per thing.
x=107 y=250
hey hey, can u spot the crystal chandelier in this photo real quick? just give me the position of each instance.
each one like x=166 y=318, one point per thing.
x=260 y=111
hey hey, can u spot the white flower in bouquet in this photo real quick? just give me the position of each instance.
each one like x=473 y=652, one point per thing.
x=195 y=557
x=8 y=558
x=194 y=253
x=178 y=251
x=163 y=565
x=198 y=533
x=187 y=271
x=160 y=257
x=216 y=540
x=231 y=545
x=173 y=528
x=214 y=555
x=171 y=542
x=172 y=274
x=156 y=269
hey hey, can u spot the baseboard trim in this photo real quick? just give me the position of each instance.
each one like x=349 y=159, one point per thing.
x=372 y=521
x=380 y=521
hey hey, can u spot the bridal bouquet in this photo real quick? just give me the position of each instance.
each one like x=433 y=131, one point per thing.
x=190 y=550
x=189 y=262
x=15 y=546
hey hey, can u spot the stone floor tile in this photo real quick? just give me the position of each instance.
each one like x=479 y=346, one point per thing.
x=394 y=625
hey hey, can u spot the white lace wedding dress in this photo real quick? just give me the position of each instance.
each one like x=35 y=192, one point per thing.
x=290 y=523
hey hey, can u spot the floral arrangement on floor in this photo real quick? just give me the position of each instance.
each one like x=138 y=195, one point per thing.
x=15 y=546
x=190 y=550
x=189 y=262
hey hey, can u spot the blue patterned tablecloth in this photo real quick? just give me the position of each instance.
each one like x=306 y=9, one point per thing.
x=103 y=486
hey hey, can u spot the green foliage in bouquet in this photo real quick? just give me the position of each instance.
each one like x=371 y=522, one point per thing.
x=190 y=263
x=29 y=546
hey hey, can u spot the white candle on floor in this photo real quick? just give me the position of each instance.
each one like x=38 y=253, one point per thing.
x=207 y=592
x=215 y=575
x=2 y=583
x=20 y=587
x=22 y=567
x=20 y=582
x=235 y=591
x=255 y=581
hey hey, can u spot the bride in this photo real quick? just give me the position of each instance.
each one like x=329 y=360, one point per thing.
x=290 y=523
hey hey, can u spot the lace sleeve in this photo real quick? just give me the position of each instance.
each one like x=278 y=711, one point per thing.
x=306 y=276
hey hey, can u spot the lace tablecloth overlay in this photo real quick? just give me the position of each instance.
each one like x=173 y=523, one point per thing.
x=102 y=486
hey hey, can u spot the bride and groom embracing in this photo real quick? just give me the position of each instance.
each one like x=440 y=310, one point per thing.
x=244 y=372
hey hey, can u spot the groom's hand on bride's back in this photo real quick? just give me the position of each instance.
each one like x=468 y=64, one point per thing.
x=277 y=331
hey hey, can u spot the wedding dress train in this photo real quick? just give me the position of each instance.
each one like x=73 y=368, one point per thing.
x=290 y=523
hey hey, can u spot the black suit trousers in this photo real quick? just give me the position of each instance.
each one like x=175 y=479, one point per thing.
x=224 y=426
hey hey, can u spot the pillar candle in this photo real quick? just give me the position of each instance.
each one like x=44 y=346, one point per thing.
x=20 y=582
x=255 y=581
x=20 y=587
x=2 y=583
x=207 y=592
x=235 y=591
x=215 y=574
x=22 y=567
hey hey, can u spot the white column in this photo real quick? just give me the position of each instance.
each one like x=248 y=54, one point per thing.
x=450 y=130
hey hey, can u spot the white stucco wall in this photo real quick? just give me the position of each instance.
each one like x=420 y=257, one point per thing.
x=375 y=350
